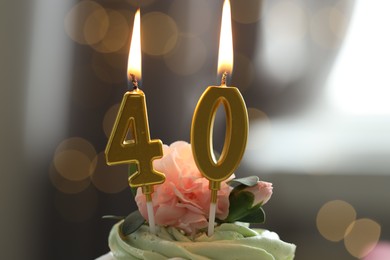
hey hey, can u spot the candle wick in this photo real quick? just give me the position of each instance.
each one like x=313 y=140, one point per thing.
x=134 y=81
x=224 y=77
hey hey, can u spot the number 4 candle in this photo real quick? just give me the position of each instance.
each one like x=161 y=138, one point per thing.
x=132 y=116
x=236 y=134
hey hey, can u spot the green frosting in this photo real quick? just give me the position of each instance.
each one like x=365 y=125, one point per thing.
x=230 y=241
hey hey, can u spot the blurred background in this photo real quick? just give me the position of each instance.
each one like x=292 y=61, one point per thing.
x=314 y=75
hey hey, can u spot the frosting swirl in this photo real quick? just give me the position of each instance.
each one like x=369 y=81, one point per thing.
x=230 y=241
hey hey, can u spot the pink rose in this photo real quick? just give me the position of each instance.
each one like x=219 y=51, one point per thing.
x=183 y=200
x=262 y=192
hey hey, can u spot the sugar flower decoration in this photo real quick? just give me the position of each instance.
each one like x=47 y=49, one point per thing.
x=183 y=200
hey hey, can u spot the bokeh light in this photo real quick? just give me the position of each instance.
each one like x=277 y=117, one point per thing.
x=109 y=119
x=79 y=144
x=109 y=179
x=65 y=185
x=248 y=11
x=333 y=219
x=256 y=115
x=105 y=30
x=117 y=35
x=96 y=26
x=76 y=207
x=159 y=33
x=72 y=165
x=73 y=159
x=362 y=236
x=188 y=56
x=86 y=22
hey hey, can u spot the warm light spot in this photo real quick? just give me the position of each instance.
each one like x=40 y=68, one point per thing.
x=83 y=21
x=134 y=63
x=117 y=38
x=65 y=185
x=117 y=33
x=256 y=115
x=248 y=11
x=188 y=21
x=73 y=159
x=243 y=72
x=188 y=56
x=96 y=26
x=109 y=119
x=159 y=33
x=79 y=144
x=225 y=51
x=128 y=15
x=109 y=179
x=72 y=165
x=362 y=237
x=380 y=252
x=333 y=219
x=76 y=207
x=100 y=47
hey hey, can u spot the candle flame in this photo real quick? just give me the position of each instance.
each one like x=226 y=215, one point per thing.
x=134 y=61
x=225 y=54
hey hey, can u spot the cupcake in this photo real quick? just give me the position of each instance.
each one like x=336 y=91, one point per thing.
x=181 y=210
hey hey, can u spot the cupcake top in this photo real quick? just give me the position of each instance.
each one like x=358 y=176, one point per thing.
x=230 y=241
x=181 y=209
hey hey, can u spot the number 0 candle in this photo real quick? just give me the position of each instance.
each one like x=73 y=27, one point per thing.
x=132 y=117
x=236 y=134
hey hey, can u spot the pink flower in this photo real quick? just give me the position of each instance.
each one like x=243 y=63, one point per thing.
x=262 y=192
x=183 y=200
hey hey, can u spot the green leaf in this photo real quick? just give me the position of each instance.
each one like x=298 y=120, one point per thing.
x=131 y=223
x=255 y=215
x=246 y=181
x=113 y=217
x=240 y=204
x=241 y=207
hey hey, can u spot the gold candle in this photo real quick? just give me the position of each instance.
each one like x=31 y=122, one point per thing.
x=236 y=134
x=133 y=118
